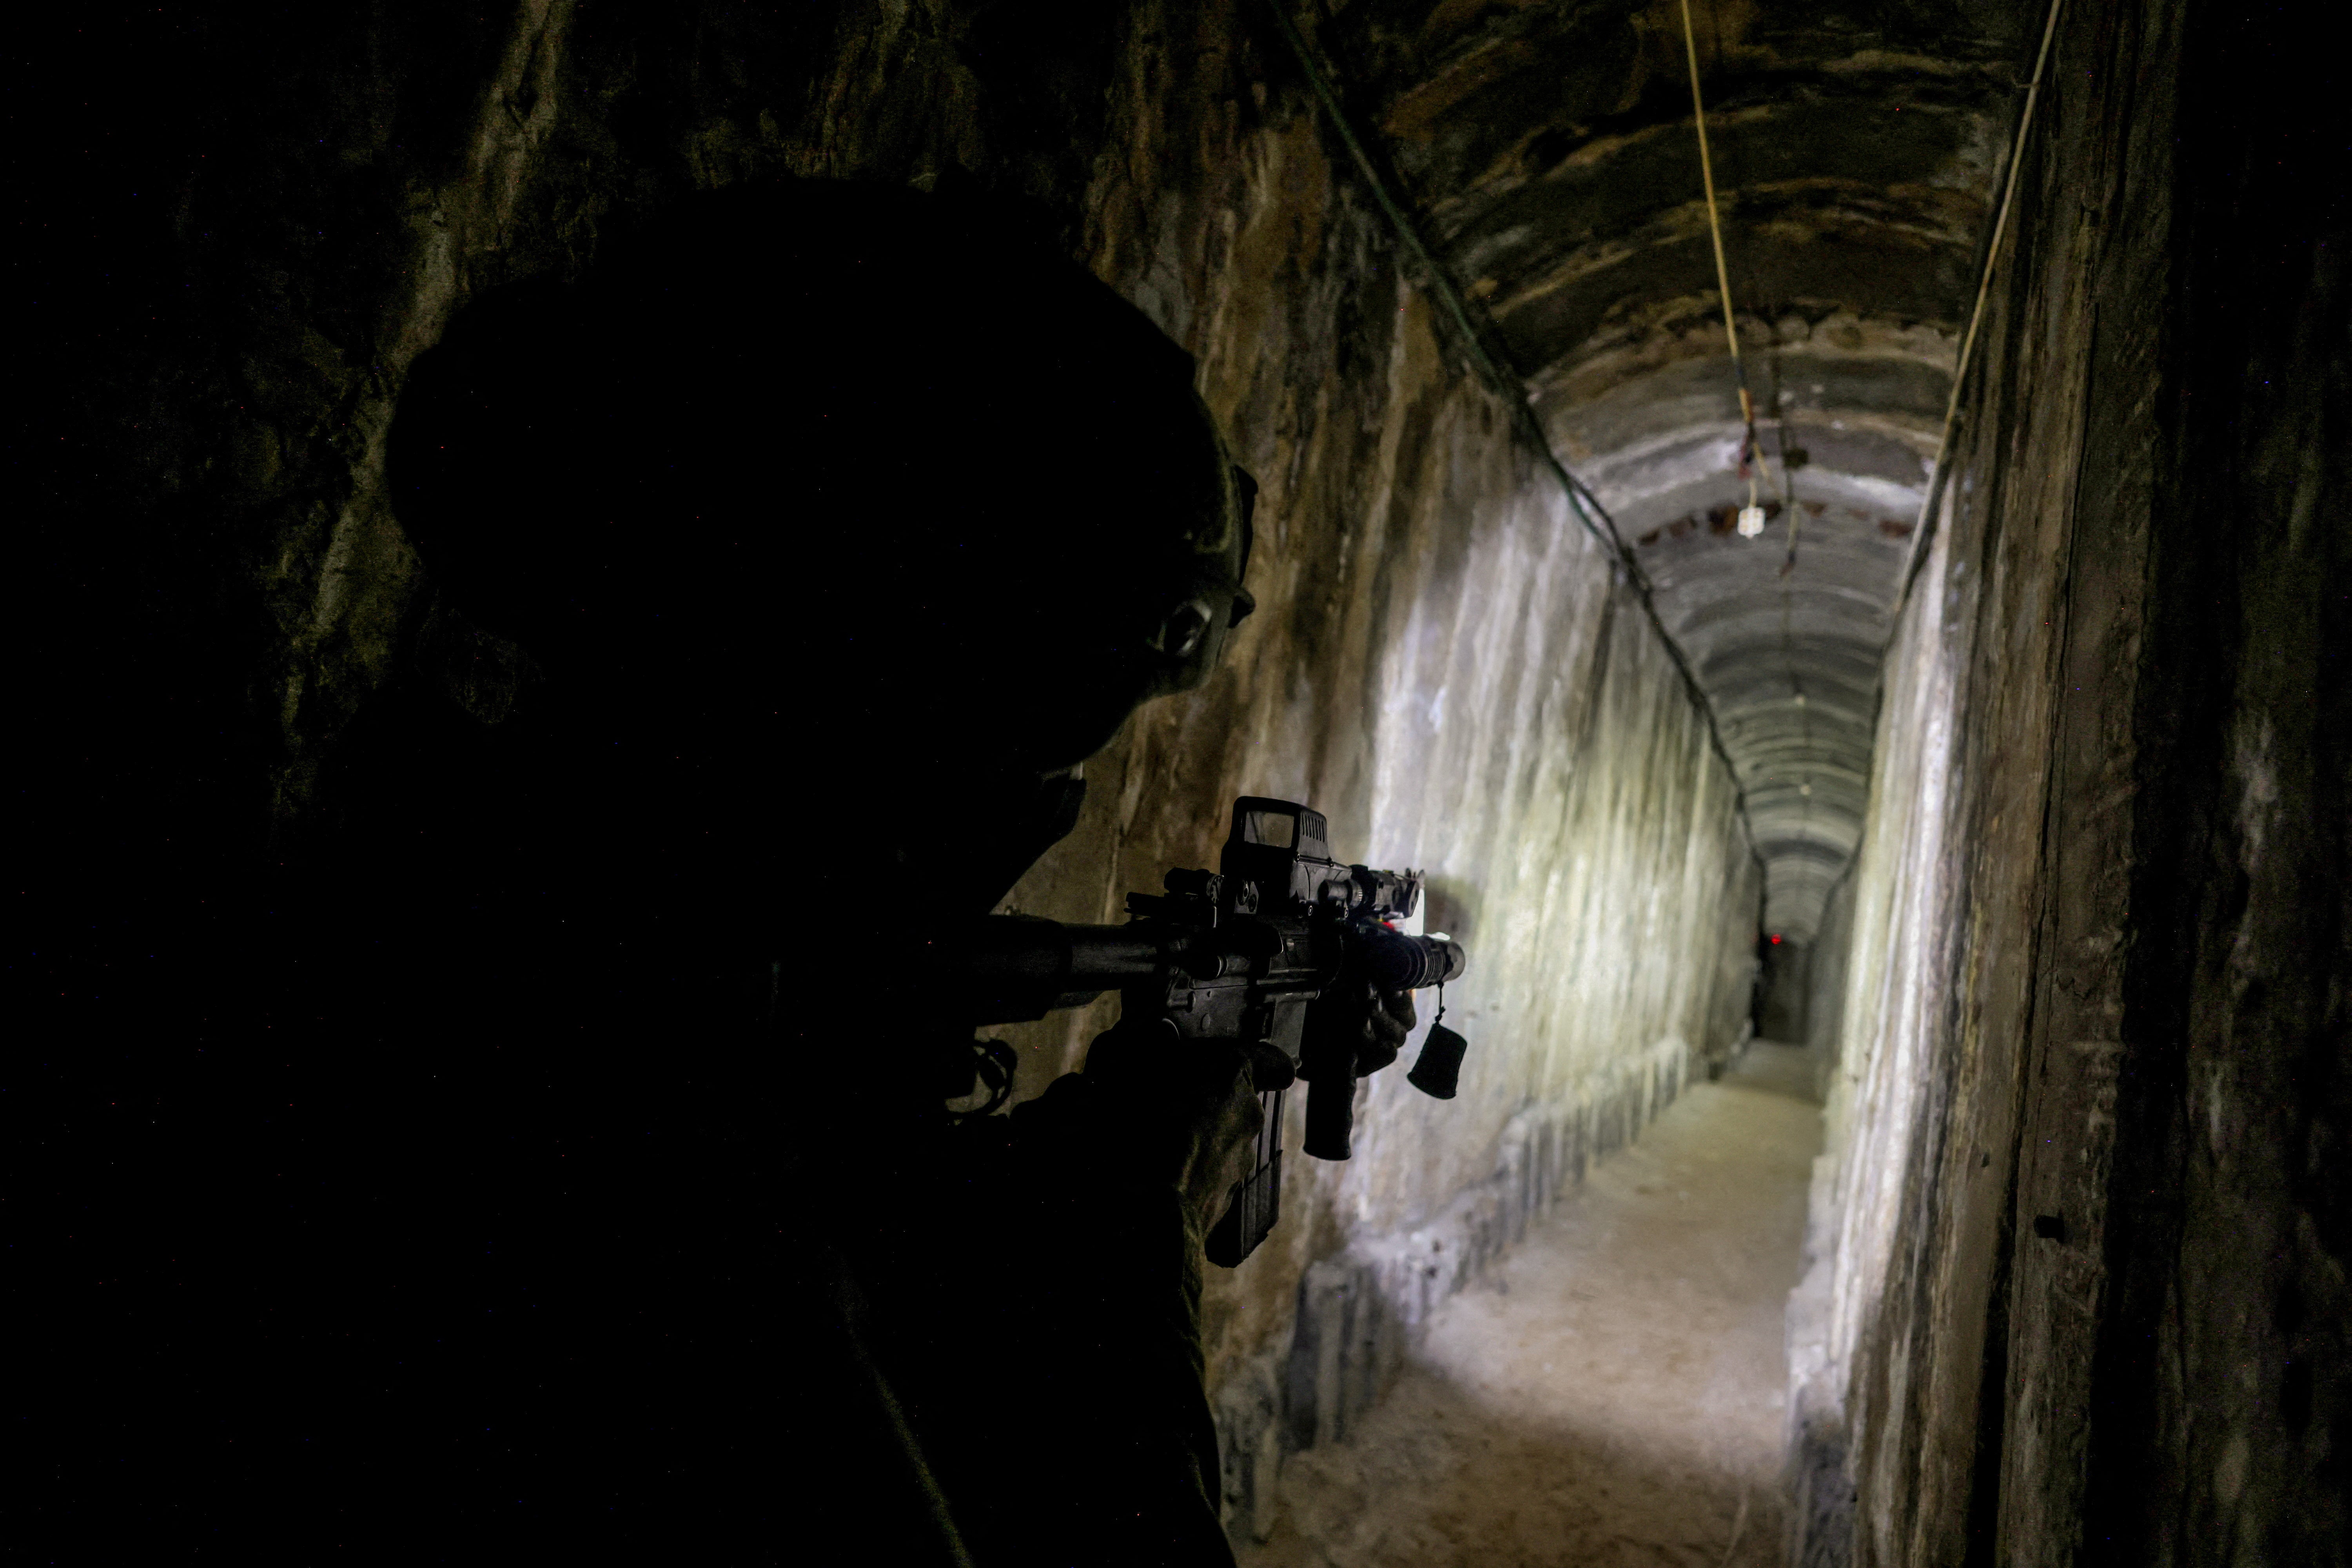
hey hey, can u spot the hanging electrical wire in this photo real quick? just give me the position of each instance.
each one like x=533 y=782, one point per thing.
x=1936 y=476
x=1792 y=458
x=1751 y=456
x=1512 y=394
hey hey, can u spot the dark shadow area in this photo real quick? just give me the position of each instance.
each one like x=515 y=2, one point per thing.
x=470 y=1163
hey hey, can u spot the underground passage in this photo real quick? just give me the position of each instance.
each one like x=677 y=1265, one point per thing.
x=1184 y=782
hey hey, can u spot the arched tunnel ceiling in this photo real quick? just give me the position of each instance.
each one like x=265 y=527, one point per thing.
x=1548 y=147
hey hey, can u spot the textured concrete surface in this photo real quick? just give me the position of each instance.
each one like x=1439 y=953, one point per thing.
x=1612 y=1392
x=2077 y=1255
x=1853 y=157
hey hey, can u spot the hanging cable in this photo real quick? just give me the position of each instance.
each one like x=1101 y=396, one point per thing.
x=1792 y=458
x=1581 y=500
x=1920 y=528
x=1751 y=457
x=1513 y=396
x=1923 y=527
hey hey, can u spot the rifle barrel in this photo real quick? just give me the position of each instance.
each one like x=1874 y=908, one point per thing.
x=1017 y=968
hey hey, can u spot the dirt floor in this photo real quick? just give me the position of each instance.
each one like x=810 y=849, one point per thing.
x=1613 y=1393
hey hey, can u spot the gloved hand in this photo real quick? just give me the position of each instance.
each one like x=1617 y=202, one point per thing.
x=1362 y=1021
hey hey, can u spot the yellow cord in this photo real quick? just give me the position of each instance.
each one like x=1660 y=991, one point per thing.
x=1722 y=271
x=1707 y=173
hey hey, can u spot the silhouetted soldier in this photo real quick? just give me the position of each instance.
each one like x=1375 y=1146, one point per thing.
x=788 y=564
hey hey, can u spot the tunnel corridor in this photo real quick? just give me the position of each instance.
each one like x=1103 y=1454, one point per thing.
x=1849 y=623
x=1614 y=1392
x=1857 y=183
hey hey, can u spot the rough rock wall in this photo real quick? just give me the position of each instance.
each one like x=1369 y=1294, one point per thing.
x=1442 y=661
x=2080 y=1244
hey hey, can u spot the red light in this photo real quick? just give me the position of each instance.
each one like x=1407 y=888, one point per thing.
x=1776 y=941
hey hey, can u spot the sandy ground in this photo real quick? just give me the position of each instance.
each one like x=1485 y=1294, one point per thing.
x=1613 y=1393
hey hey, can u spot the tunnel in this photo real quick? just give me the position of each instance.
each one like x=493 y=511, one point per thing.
x=1818 y=531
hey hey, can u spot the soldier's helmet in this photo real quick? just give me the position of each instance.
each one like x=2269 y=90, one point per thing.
x=852 y=455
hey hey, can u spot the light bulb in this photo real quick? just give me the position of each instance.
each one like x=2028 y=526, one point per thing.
x=1751 y=522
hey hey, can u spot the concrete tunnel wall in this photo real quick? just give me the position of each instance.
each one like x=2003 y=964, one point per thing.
x=1443 y=660
x=2076 y=1286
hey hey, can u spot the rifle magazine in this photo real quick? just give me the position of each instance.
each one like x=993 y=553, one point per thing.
x=1255 y=1205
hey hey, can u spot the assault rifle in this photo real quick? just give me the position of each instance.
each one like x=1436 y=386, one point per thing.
x=1241 y=953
